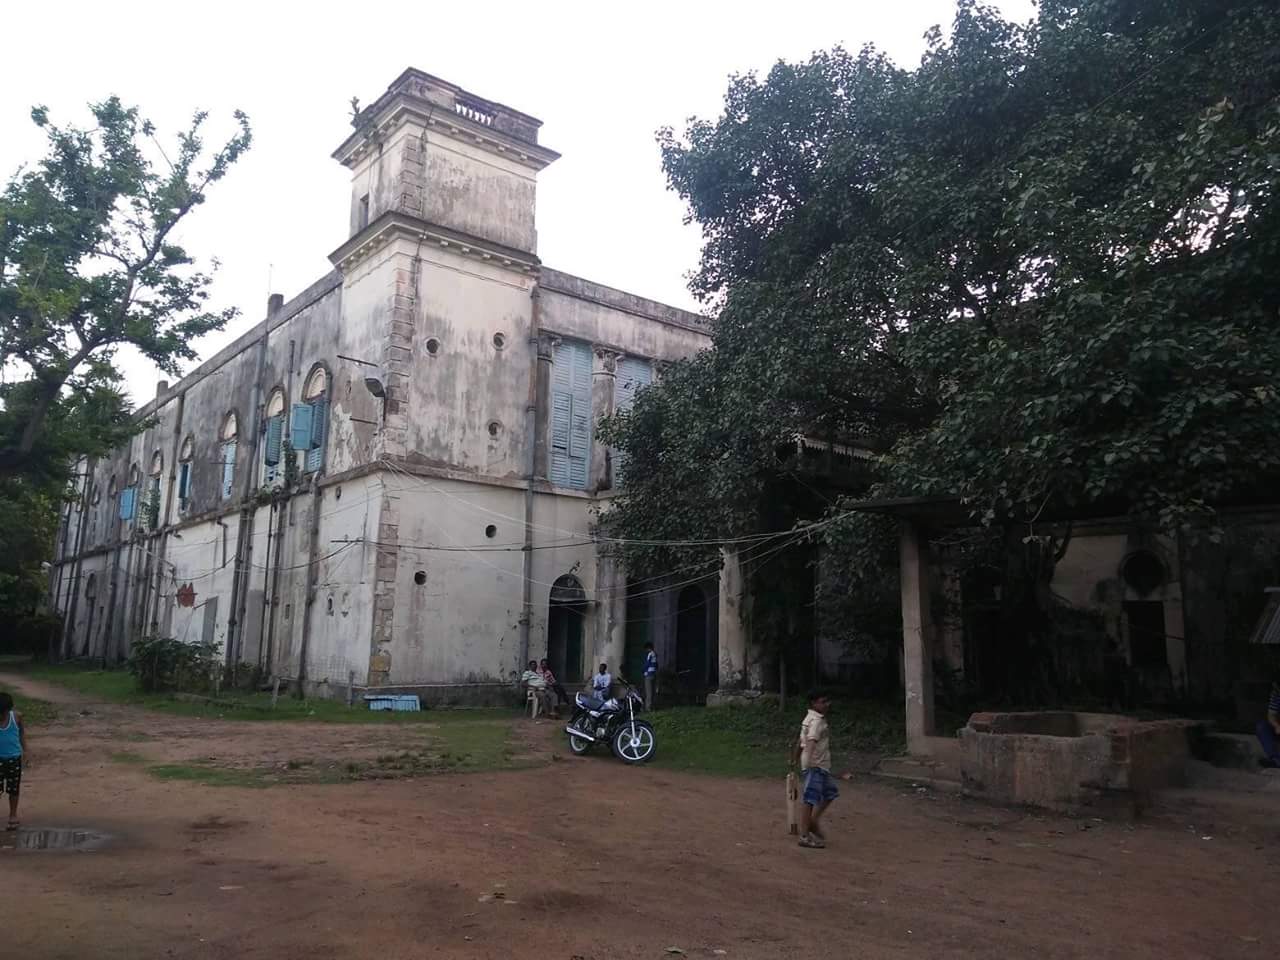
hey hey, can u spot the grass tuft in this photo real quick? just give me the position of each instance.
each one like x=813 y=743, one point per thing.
x=754 y=741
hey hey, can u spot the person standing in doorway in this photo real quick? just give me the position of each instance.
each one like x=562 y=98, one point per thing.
x=813 y=751
x=13 y=755
x=650 y=674
x=602 y=682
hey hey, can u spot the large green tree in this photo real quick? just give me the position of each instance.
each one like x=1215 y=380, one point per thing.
x=89 y=262
x=1037 y=270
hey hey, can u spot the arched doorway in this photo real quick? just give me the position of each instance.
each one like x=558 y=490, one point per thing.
x=693 y=654
x=566 y=620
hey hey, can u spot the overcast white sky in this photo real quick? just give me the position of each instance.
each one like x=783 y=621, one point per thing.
x=602 y=77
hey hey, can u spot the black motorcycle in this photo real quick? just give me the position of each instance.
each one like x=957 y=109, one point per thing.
x=614 y=722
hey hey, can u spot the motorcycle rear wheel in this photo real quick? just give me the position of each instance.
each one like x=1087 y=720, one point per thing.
x=578 y=745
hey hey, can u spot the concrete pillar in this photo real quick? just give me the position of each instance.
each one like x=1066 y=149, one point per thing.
x=610 y=612
x=546 y=348
x=917 y=650
x=604 y=375
x=733 y=633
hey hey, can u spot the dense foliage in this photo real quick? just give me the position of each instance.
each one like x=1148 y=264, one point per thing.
x=89 y=262
x=1035 y=272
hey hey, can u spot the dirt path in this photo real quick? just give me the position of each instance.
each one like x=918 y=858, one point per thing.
x=588 y=859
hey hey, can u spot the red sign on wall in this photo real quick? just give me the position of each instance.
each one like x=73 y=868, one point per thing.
x=186 y=595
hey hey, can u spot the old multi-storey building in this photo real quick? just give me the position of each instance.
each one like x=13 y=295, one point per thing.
x=391 y=480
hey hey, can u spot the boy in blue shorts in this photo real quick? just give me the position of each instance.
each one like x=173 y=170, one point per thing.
x=813 y=751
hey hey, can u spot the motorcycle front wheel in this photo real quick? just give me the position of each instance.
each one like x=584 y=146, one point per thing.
x=637 y=746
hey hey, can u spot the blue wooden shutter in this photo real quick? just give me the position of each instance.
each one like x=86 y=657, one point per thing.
x=275 y=440
x=127 y=497
x=561 y=412
x=300 y=427
x=571 y=415
x=228 y=468
x=633 y=376
x=319 y=423
x=184 y=484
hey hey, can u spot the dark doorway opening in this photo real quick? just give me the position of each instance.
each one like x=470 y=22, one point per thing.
x=566 y=621
x=697 y=655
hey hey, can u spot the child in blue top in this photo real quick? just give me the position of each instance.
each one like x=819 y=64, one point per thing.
x=13 y=754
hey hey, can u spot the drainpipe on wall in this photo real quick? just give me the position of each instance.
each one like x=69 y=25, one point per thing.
x=269 y=658
x=285 y=506
x=309 y=597
x=530 y=439
x=248 y=509
x=174 y=453
x=69 y=623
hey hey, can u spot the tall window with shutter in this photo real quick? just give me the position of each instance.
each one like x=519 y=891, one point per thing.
x=571 y=414
x=273 y=439
x=309 y=420
x=184 y=472
x=633 y=375
x=230 y=433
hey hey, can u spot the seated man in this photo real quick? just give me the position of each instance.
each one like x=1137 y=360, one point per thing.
x=544 y=668
x=1269 y=729
x=537 y=683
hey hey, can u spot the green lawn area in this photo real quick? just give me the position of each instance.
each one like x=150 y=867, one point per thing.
x=754 y=741
x=34 y=712
x=118 y=686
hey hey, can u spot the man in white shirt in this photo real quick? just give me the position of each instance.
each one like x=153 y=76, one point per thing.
x=537 y=684
x=602 y=682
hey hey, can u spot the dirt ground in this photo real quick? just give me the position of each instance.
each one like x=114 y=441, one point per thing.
x=585 y=858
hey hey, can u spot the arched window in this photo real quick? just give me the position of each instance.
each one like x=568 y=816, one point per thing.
x=310 y=420
x=184 y=472
x=230 y=430
x=274 y=446
x=153 y=490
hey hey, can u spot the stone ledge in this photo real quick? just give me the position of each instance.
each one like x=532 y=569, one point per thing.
x=726 y=698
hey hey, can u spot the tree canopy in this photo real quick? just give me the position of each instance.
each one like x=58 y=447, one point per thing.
x=1035 y=270
x=90 y=262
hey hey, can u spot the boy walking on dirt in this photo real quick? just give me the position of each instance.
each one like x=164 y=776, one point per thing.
x=13 y=751
x=813 y=751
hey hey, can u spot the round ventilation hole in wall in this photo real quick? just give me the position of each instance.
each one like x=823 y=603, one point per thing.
x=491 y=531
x=495 y=428
x=433 y=346
x=420 y=577
x=499 y=341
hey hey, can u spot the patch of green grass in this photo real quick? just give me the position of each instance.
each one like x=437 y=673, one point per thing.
x=209 y=775
x=118 y=686
x=755 y=741
x=34 y=712
x=127 y=756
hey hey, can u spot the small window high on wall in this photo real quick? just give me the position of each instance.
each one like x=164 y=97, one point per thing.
x=571 y=414
x=309 y=420
x=273 y=441
x=184 y=472
x=229 y=435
